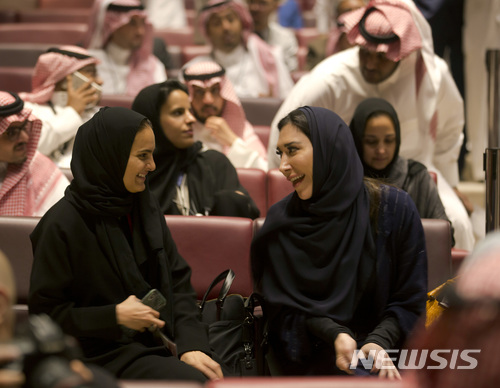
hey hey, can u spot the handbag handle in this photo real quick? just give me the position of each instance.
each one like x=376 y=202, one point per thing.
x=228 y=277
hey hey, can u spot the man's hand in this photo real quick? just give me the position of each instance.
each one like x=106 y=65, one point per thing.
x=134 y=314
x=220 y=131
x=203 y=363
x=79 y=98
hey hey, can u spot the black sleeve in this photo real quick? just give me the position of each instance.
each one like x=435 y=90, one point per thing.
x=387 y=334
x=326 y=329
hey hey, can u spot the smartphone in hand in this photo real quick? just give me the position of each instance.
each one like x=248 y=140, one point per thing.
x=154 y=299
x=78 y=79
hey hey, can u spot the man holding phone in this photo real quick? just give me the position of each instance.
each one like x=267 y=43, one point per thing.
x=66 y=90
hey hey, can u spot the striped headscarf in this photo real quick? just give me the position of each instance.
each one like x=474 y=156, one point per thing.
x=52 y=67
x=205 y=75
x=15 y=196
x=106 y=21
x=385 y=26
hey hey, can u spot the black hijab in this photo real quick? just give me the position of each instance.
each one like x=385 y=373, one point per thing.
x=100 y=156
x=315 y=255
x=171 y=162
x=362 y=113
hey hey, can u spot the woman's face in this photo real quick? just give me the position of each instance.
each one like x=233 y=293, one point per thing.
x=140 y=161
x=296 y=152
x=176 y=119
x=379 y=142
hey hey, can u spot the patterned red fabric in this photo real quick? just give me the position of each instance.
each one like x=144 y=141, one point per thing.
x=142 y=61
x=254 y=44
x=52 y=68
x=26 y=185
x=390 y=16
x=233 y=112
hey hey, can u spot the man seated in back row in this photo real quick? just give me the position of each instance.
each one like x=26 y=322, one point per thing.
x=221 y=122
x=30 y=183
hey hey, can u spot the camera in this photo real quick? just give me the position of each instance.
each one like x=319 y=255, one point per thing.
x=46 y=353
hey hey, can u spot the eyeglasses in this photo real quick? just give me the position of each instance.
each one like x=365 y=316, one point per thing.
x=13 y=132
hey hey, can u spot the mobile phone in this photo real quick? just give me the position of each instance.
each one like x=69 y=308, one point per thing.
x=78 y=79
x=154 y=299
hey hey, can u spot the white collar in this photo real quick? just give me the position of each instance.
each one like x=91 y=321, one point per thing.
x=232 y=58
x=118 y=54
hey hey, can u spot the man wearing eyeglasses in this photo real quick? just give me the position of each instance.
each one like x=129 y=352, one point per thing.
x=30 y=183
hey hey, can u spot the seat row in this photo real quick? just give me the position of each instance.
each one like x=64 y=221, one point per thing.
x=210 y=245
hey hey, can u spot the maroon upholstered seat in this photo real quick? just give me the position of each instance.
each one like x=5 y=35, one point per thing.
x=255 y=181
x=438 y=244
x=192 y=50
x=261 y=110
x=263 y=132
x=15 y=79
x=304 y=382
x=122 y=100
x=176 y=36
x=21 y=54
x=55 y=15
x=278 y=186
x=213 y=244
x=16 y=244
x=54 y=33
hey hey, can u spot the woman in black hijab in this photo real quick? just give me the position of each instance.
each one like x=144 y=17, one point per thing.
x=377 y=135
x=341 y=261
x=189 y=179
x=104 y=246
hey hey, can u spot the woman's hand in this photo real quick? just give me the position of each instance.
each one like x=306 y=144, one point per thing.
x=203 y=363
x=381 y=361
x=345 y=346
x=132 y=313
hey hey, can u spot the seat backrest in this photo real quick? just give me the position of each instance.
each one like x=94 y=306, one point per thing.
x=55 y=15
x=263 y=132
x=261 y=110
x=278 y=186
x=16 y=79
x=58 y=34
x=192 y=50
x=176 y=36
x=16 y=244
x=255 y=181
x=21 y=54
x=438 y=244
x=211 y=245
x=122 y=100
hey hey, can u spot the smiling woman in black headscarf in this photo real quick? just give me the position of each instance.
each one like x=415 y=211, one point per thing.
x=341 y=261
x=377 y=135
x=106 y=244
x=189 y=179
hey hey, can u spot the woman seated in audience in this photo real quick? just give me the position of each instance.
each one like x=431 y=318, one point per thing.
x=189 y=179
x=377 y=135
x=341 y=261
x=104 y=246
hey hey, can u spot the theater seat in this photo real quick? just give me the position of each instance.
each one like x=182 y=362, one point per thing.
x=15 y=79
x=260 y=111
x=122 y=100
x=176 y=36
x=304 y=382
x=213 y=244
x=438 y=244
x=191 y=51
x=255 y=181
x=159 y=384
x=278 y=186
x=55 y=15
x=16 y=244
x=457 y=257
x=263 y=132
x=62 y=33
x=21 y=54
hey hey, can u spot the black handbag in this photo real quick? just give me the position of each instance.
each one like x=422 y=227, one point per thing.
x=237 y=335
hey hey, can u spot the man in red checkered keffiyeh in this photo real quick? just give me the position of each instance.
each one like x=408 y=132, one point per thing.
x=221 y=122
x=394 y=59
x=121 y=36
x=65 y=91
x=254 y=67
x=30 y=183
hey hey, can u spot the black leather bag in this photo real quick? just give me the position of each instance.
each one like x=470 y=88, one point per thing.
x=237 y=335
